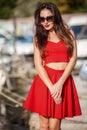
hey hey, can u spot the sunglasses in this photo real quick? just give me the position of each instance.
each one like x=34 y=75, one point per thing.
x=48 y=19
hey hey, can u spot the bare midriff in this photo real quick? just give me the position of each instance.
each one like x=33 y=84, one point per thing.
x=57 y=65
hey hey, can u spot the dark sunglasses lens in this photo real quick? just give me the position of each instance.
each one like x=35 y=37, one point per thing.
x=42 y=19
x=50 y=18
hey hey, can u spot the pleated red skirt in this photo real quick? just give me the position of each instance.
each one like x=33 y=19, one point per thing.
x=40 y=101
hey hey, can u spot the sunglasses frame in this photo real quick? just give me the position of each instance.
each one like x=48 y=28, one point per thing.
x=48 y=19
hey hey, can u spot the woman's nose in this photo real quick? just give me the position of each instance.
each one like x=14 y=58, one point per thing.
x=46 y=21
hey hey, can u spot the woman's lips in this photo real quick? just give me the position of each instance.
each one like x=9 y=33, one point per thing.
x=46 y=26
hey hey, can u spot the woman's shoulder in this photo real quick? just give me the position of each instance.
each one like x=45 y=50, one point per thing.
x=70 y=30
x=35 y=40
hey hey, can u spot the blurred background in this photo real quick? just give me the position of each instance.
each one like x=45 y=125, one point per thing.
x=16 y=60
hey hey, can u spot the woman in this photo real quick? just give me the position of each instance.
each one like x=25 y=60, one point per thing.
x=53 y=94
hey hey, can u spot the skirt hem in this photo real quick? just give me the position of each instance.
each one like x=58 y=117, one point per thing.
x=57 y=117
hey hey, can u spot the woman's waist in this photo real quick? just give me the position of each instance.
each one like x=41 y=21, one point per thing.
x=57 y=65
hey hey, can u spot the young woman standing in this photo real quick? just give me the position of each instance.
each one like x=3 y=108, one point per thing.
x=53 y=93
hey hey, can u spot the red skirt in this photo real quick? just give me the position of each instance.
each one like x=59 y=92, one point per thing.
x=40 y=101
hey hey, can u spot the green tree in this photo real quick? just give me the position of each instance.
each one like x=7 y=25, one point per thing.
x=77 y=5
x=26 y=8
x=6 y=8
x=69 y=6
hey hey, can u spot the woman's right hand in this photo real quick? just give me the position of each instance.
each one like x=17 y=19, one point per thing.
x=58 y=100
x=56 y=91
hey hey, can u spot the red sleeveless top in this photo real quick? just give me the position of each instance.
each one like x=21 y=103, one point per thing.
x=56 y=52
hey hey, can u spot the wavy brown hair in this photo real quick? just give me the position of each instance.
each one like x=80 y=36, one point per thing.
x=59 y=26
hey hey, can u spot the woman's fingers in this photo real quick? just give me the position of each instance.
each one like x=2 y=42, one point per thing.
x=55 y=93
x=58 y=100
x=57 y=96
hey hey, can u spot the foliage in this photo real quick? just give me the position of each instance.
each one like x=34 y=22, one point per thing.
x=6 y=8
x=26 y=8
x=69 y=6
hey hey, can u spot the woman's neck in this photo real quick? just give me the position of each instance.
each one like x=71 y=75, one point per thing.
x=51 y=31
x=51 y=34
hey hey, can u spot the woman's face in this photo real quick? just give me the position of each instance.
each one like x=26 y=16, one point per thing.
x=47 y=19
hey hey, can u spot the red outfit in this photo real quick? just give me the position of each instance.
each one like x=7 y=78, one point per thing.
x=56 y=52
x=39 y=99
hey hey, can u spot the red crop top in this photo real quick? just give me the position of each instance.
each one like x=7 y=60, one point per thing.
x=56 y=52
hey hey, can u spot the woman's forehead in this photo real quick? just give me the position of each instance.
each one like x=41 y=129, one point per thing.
x=45 y=12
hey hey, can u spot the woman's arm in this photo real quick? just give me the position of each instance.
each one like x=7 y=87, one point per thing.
x=38 y=61
x=58 y=86
x=71 y=63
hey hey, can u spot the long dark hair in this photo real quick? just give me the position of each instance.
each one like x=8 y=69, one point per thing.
x=59 y=26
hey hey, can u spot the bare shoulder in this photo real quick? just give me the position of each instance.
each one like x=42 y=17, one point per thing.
x=35 y=41
x=73 y=37
x=72 y=32
x=69 y=29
